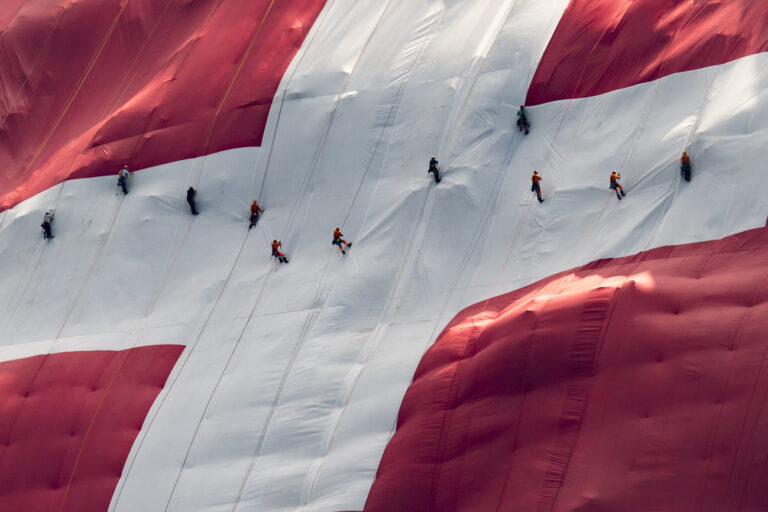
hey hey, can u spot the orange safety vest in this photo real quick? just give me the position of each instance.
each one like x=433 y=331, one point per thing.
x=536 y=179
x=337 y=233
x=275 y=245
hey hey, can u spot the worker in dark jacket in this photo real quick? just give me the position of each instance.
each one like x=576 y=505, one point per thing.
x=191 y=193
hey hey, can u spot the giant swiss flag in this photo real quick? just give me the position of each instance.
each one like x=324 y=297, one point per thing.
x=475 y=350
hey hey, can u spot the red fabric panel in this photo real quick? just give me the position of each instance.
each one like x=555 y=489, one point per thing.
x=89 y=85
x=605 y=45
x=634 y=383
x=49 y=404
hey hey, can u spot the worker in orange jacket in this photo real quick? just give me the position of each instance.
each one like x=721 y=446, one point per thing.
x=615 y=185
x=685 y=166
x=535 y=187
x=276 y=252
x=255 y=209
x=339 y=241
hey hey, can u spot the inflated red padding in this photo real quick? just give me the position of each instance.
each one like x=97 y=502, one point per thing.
x=635 y=383
x=47 y=405
x=605 y=45
x=89 y=85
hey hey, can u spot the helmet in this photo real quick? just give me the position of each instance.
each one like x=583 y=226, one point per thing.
x=535 y=171
x=254 y=201
x=274 y=241
x=685 y=153
x=522 y=106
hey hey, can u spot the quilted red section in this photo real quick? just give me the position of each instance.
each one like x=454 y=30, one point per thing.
x=68 y=421
x=635 y=383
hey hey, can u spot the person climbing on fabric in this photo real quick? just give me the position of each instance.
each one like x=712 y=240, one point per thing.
x=122 y=178
x=191 y=193
x=434 y=168
x=47 y=225
x=522 y=120
x=339 y=241
x=255 y=210
x=535 y=187
x=685 y=166
x=615 y=185
x=276 y=252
